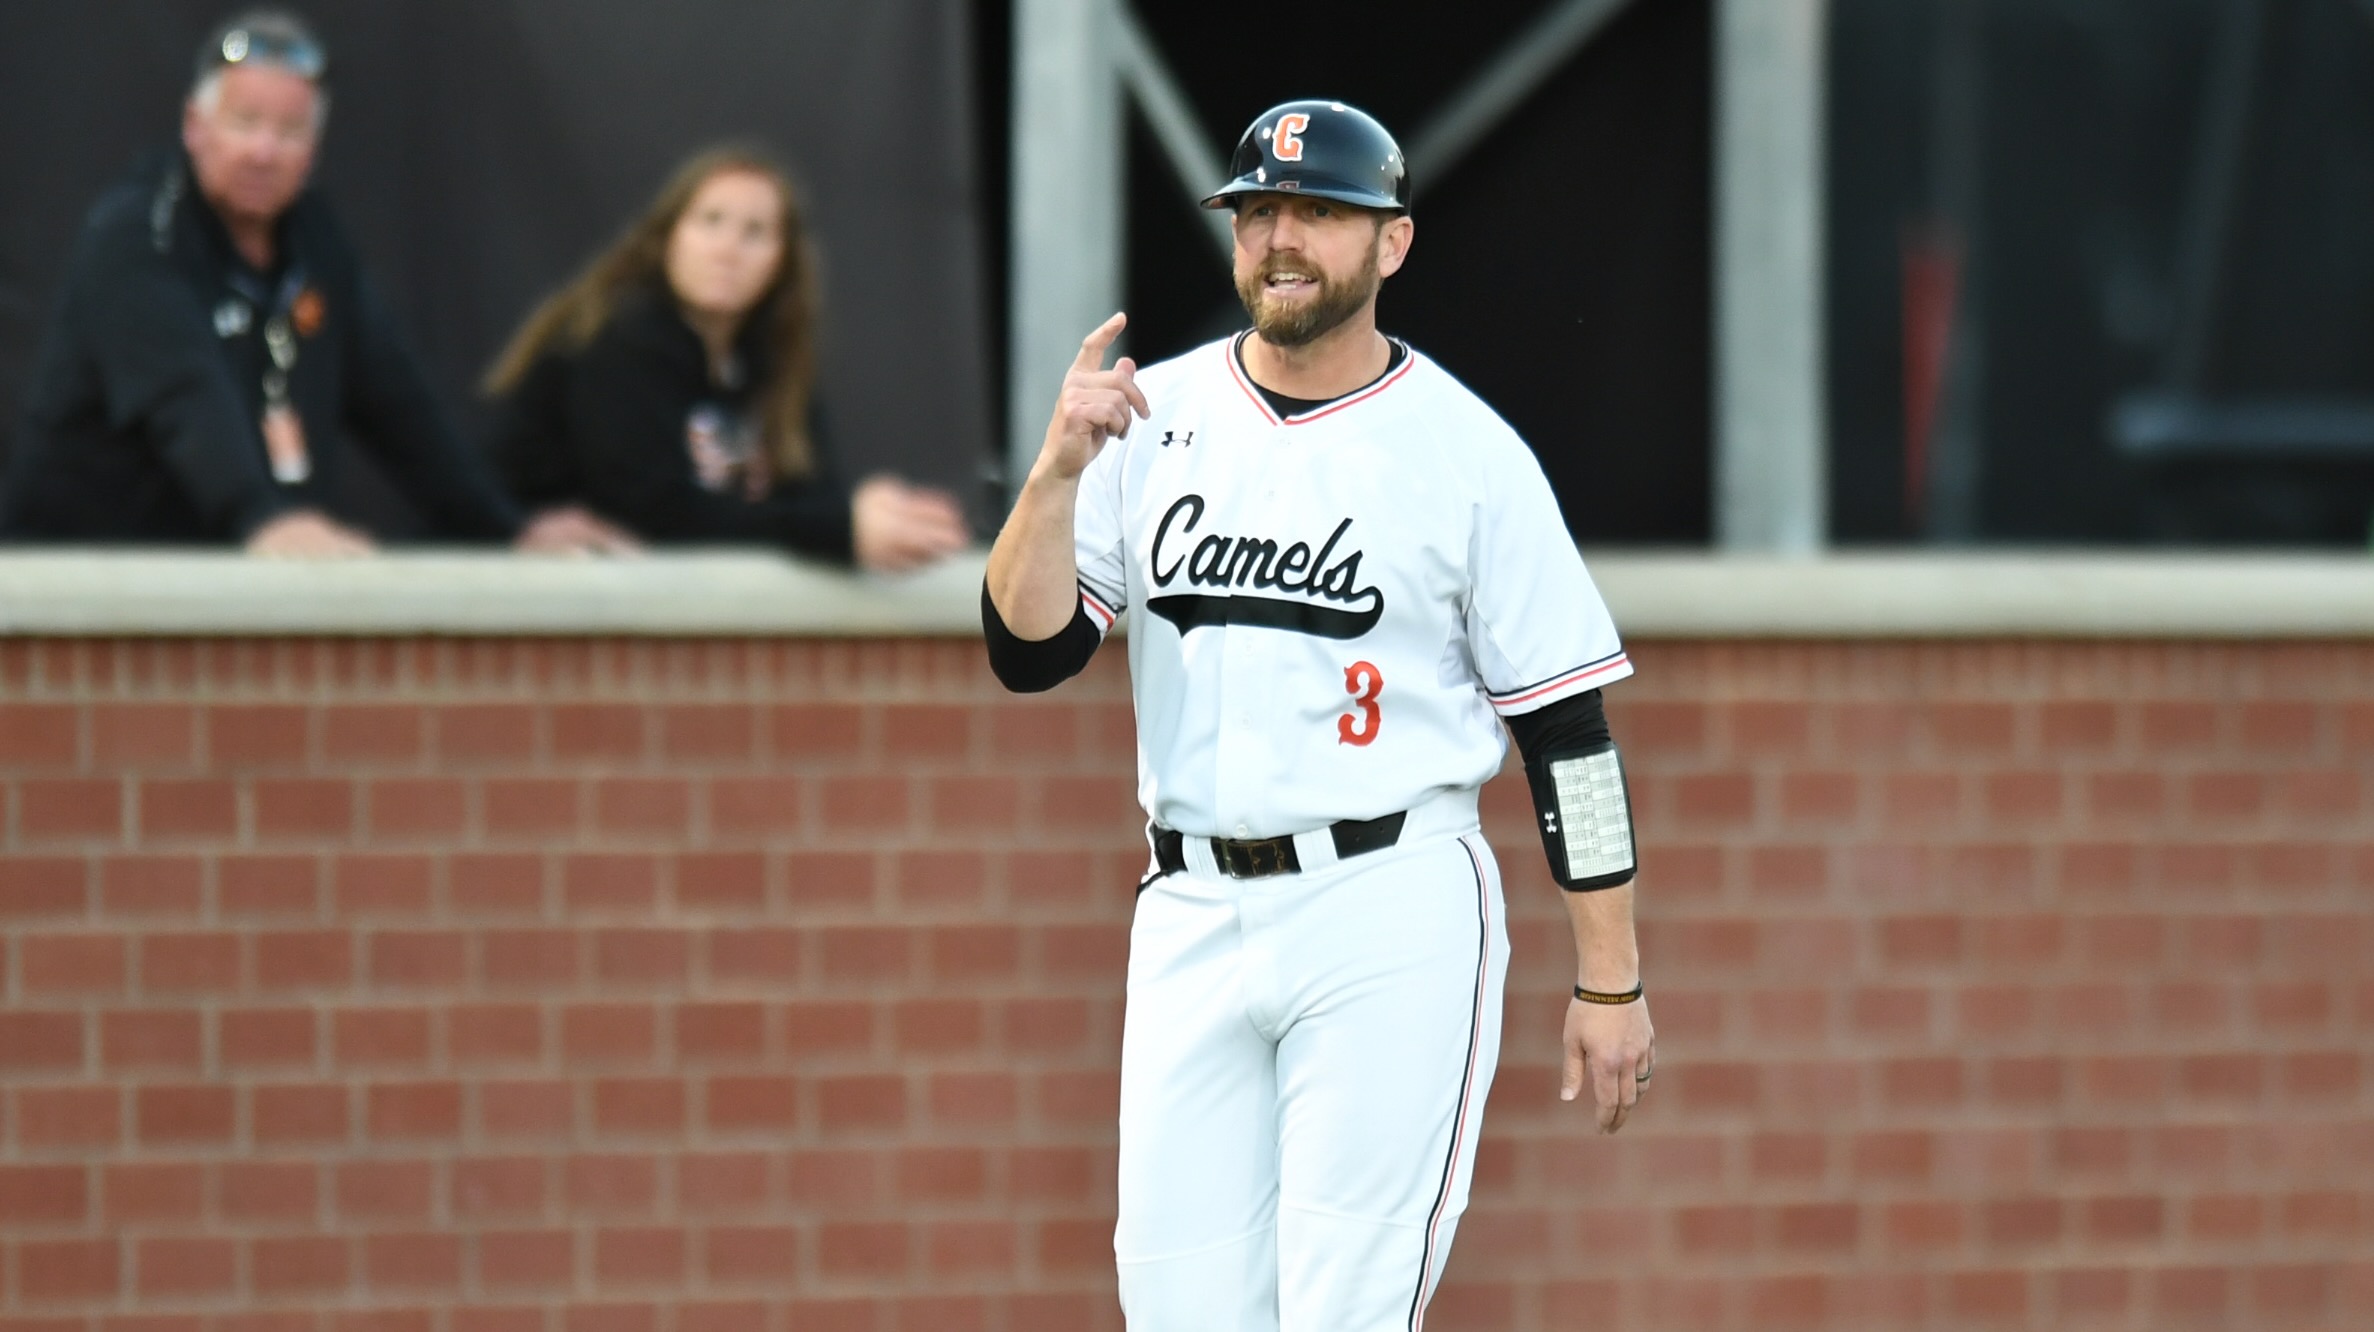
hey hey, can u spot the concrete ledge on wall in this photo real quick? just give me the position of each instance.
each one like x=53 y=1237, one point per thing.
x=1903 y=595
x=2034 y=594
x=478 y=594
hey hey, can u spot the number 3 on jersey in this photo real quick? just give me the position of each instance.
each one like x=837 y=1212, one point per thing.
x=1364 y=682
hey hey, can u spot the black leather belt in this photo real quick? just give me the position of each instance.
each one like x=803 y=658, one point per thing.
x=1261 y=857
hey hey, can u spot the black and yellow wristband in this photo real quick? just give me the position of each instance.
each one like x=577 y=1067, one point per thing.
x=1596 y=997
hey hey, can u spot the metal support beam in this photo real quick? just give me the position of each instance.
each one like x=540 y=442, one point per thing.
x=1771 y=435
x=1065 y=268
x=2213 y=197
x=1149 y=80
x=1520 y=69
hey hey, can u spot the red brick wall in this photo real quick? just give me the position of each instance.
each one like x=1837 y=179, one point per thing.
x=720 y=987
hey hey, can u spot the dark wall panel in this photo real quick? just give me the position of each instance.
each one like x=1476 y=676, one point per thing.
x=2071 y=185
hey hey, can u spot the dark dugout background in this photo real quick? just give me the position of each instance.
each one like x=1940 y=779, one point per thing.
x=2055 y=148
x=2063 y=150
x=1560 y=269
x=480 y=150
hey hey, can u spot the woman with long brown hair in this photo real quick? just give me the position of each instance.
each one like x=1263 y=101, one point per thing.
x=670 y=385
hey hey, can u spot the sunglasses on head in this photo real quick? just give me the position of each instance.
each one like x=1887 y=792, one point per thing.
x=298 y=55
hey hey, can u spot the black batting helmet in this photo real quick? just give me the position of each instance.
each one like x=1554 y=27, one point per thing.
x=1321 y=148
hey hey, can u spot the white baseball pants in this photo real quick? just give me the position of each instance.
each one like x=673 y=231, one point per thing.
x=1304 y=1063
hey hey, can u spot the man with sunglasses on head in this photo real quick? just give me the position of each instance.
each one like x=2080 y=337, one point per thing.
x=217 y=341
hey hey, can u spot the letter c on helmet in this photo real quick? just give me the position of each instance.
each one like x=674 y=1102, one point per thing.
x=1286 y=144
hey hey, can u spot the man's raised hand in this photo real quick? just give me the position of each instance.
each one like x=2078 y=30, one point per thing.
x=1033 y=574
x=1095 y=404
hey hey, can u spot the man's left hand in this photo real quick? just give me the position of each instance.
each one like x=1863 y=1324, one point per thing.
x=573 y=531
x=1615 y=1048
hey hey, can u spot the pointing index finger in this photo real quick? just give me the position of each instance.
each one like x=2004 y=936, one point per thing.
x=1092 y=347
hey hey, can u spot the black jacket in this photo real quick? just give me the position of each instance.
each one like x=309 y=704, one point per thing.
x=143 y=419
x=634 y=426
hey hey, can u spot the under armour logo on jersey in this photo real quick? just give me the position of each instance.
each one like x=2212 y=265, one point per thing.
x=1170 y=437
x=1220 y=561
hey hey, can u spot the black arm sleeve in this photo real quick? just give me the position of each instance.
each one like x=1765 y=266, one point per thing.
x=625 y=424
x=1568 y=726
x=159 y=370
x=1029 y=666
x=391 y=410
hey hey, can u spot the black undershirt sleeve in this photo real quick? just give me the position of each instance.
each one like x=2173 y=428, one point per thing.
x=1033 y=666
x=1568 y=726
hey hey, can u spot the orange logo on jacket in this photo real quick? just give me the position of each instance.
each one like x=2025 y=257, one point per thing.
x=305 y=313
x=1286 y=144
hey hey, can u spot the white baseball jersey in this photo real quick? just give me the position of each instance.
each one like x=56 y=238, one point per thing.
x=1334 y=605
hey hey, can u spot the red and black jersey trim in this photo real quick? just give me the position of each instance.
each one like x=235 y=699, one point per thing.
x=1468 y=1109
x=1236 y=371
x=1589 y=675
x=1098 y=609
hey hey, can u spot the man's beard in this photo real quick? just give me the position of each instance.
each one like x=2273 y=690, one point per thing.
x=1300 y=323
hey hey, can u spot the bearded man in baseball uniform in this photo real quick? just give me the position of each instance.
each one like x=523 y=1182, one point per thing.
x=1350 y=573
